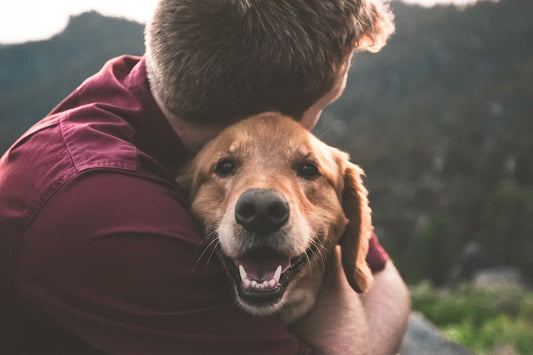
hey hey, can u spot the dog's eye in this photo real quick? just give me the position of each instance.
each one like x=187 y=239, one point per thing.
x=308 y=170
x=225 y=167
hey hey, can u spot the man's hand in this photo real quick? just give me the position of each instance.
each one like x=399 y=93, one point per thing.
x=345 y=322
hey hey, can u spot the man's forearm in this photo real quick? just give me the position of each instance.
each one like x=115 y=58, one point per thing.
x=344 y=322
x=387 y=305
x=337 y=324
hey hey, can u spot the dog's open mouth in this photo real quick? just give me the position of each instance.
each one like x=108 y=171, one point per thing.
x=262 y=276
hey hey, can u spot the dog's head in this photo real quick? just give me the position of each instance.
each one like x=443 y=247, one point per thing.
x=278 y=201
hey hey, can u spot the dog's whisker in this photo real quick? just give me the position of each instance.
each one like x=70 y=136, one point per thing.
x=217 y=244
x=308 y=260
x=306 y=253
x=320 y=250
x=210 y=236
x=317 y=253
x=212 y=244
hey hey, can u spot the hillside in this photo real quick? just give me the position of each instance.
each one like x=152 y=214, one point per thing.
x=36 y=76
x=440 y=120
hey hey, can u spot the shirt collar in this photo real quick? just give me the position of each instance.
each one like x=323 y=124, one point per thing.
x=159 y=137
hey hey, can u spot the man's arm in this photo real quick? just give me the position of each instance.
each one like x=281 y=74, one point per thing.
x=116 y=261
x=387 y=305
x=344 y=322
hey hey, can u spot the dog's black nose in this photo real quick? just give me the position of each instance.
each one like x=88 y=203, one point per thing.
x=262 y=211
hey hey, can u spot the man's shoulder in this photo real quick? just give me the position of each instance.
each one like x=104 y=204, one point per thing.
x=98 y=127
x=112 y=121
x=95 y=138
x=95 y=119
x=67 y=145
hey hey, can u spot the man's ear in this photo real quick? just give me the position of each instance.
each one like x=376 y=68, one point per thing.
x=354 y=241
x=377 y=25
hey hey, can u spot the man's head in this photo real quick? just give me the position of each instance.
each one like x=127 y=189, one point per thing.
x=217 y=61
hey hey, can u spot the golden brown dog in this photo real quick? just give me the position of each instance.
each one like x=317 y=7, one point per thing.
x=277 y=201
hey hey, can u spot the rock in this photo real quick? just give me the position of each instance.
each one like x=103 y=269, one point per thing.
x=498 y=277
x=504 y=350
x=423 y=338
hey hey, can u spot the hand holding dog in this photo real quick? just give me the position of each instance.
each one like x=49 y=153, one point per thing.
x=340 y=317
x=337 y=322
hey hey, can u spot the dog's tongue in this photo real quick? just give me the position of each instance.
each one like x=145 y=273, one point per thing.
x=261 y=266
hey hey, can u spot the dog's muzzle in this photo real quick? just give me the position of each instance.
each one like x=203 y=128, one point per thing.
x=262 y=273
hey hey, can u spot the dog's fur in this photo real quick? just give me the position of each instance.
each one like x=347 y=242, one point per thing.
x=267 y=152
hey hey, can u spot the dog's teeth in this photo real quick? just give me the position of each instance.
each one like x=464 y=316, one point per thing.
x=277 y=274
x=267 y=284
x=242 y=272
x=259 y=285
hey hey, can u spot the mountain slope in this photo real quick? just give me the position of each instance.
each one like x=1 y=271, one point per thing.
x=36 y=76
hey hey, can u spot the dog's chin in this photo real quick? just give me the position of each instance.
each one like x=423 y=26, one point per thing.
x=266 y=296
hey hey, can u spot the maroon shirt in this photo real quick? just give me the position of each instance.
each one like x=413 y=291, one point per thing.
x=97 y=249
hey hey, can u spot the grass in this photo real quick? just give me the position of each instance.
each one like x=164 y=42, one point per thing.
x=481 y=320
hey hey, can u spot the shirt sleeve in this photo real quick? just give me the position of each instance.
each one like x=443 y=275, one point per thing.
x=377 y=257
x=117 y=260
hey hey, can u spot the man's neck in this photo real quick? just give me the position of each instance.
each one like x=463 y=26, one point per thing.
x=193 y=136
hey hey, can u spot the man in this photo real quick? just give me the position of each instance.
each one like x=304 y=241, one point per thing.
x=98 y=252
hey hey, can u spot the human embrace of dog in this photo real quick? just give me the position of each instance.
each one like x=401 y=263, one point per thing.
x=274 y=202
x=99 y=251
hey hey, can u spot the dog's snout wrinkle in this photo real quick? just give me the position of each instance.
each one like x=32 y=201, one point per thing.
x=262 y=211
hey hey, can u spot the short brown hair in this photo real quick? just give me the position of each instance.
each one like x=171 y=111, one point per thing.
x=215 y=61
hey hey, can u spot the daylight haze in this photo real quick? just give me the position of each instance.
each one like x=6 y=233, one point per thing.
x=29 y=20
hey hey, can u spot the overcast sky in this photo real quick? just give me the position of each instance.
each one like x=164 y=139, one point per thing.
x=24 y=20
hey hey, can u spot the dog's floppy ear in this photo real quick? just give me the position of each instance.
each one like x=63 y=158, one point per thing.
x=354 y=241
